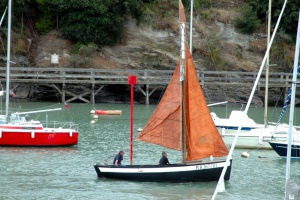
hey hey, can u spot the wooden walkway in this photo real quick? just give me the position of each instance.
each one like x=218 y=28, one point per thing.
x=152 y=79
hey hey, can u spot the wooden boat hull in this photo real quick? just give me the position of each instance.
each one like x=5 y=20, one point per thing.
x=37 y=138
x=281 y=149
x=206 y=171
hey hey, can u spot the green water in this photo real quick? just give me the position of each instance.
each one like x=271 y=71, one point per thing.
x=68 y=173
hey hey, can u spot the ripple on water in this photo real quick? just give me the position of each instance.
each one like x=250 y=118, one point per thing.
x=68 y=173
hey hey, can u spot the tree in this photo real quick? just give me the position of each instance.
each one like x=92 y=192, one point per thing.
x=83 y=21
x=99 y=22
x=248 y=23
x=289 y=20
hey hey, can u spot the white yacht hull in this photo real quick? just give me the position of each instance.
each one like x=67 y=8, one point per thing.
x=252 y=135
x=256 y=138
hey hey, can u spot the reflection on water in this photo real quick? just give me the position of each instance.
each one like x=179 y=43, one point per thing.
x=68 y=173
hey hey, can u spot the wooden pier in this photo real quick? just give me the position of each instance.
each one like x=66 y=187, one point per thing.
x=147 y=80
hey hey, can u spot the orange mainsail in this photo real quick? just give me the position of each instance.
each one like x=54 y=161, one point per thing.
x=164 y=126
x=203 y=138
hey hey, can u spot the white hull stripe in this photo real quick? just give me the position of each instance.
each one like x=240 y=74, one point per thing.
x=162 y=169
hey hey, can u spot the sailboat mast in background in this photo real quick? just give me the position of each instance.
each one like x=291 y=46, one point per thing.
x=221 y=186
x=292 y=107
x=191 y=27
x=182 y=79
x=267 y=66
x=8 y=61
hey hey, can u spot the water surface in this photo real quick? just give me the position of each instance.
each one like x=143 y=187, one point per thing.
x=68 y=173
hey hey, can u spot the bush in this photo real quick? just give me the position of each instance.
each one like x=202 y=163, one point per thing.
x=248 y=22
x=45 y=24
x=87 y=50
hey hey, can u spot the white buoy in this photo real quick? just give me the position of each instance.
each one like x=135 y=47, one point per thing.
x=93 y=112
x=140 y=130
x=95 y=117
x=93 y=122
x=211 y=158
x=245 y=155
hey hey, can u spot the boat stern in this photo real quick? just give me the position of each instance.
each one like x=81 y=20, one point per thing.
x=99 y=173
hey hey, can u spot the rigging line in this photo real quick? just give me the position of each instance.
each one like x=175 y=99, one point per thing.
x=214 y=64
x=221 y=186
x=30 y=22
x=37 y=117
x=62 y=103
x=256 y=147
x=278 y=99
x=164 y=88
x=4 y=50
x=231 y=195
x=2 y=28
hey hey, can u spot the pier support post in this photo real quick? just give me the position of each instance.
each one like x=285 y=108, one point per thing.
x=63 y=93
x=146 y=93
x=92 y=100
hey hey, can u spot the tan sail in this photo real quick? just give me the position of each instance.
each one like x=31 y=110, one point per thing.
x=164 y=126
x=203 y=138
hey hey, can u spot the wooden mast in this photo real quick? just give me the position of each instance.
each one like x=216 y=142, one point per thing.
x=182 y=80
x=267 y=67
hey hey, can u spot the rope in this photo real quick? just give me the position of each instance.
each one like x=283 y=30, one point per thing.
x=287 y=101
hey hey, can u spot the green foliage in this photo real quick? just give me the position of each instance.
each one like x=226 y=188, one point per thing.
x=87 y=50
x=85 y=21
x=45 y=24
x=289 y=19
x=98 y=22
x=248 y=22
x=160 y=13
x=214 y=58
x=281 y=51
x=203 y=3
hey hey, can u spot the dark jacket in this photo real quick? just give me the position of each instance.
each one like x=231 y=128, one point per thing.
x=164 y=161
x=119 y=158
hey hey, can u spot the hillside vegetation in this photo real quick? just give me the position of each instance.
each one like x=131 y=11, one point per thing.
x=143 y=34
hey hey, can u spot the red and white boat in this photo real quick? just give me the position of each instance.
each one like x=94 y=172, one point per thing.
x=16 y=130
x=23 y=132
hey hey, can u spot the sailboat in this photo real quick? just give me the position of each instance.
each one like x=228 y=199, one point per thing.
x=181 y=122
x=281 y=147
x=254 y=135
x=16 y=129
x=290 y=149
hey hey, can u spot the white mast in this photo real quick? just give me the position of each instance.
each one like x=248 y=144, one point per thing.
x=8 y=61
x=220 y=186
x=292 y=107
x=191 y=26
x=267 y=67
x=182 y=80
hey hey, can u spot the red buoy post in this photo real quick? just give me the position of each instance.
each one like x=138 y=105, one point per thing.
x=132 y=82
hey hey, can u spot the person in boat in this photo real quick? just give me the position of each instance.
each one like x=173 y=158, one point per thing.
x=118 y=158
x=164 y=160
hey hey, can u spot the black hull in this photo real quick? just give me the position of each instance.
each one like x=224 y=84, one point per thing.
x=281 y=149
x=208 y=171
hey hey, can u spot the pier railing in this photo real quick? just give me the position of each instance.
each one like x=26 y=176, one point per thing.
x=144 y=77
